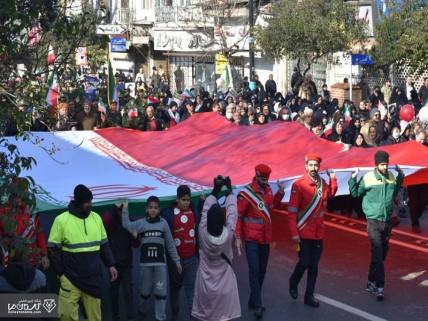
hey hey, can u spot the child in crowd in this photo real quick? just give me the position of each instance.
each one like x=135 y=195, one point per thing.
x=155 y=238
x=183 y=220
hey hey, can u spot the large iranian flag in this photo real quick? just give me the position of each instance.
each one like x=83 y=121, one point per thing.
x=118 y=163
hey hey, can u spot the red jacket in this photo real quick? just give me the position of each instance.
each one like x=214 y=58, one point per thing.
x=302 y=192
x=38 y=244
x=252 y=224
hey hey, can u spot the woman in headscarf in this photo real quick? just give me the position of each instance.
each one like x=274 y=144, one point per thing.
x=216 y=290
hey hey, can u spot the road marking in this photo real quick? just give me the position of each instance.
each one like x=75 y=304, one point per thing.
x=391 y=241
x=335 y=217
x=424 y=283
x=363 y=314
x=412 y=276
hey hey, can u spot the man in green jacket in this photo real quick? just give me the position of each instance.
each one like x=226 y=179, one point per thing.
x=378 y=189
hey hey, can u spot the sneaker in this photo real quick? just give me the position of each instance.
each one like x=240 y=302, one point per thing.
x=311 y=301
x=371 y=287
x=293 y=291
x=380 y=294
x=259 y=313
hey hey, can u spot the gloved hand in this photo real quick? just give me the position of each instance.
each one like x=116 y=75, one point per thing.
x=228 y=182
x=218 y=184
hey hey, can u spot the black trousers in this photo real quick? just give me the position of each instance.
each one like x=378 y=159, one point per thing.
x=418 y=201
x=257 y=258
x=379 y=233
x=309 y=257
x=124 y=278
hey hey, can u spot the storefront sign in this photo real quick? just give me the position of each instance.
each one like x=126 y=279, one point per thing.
x=111 y=29
x=118 y=45
x=182 y=16
x=220 y=64
x=183 y=40
x=235 y=36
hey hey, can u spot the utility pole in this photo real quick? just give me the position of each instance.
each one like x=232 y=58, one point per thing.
x=251 y=37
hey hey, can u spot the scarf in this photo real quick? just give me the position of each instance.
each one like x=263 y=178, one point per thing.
x=176 y=117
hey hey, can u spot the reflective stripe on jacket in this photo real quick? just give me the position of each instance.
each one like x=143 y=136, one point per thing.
x=252 y=224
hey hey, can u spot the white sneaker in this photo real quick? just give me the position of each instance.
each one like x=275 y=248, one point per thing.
x=380 y=294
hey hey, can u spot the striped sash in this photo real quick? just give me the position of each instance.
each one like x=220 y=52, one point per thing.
x=30 y=230
x=256 y=201
x=315 y=203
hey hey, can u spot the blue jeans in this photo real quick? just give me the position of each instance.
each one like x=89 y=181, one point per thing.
x=257 y=258
x=309 y=257
x=184 y=280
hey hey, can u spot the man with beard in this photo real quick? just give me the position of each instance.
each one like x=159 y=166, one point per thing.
x=378 y=189
x=78 y=243
x=254 y=227
x=306 y=211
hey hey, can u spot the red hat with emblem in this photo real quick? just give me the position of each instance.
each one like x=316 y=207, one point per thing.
x=263 y=170
x=313 y=157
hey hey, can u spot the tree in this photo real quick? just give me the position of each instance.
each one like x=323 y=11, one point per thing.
x=308 y=30
x=402 y=37
x=27 y=30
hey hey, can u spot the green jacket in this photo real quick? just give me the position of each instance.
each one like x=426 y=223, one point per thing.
x=378 y=193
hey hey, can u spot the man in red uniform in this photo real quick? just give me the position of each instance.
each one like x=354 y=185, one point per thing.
x=254 y=226
x=306 y=211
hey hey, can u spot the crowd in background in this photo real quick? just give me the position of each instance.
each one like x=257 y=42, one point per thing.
x=148 y=104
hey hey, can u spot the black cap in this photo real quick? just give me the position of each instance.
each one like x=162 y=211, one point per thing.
x=381 y=157
x=82 y=194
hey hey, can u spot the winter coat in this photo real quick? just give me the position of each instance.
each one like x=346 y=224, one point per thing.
x=79 y=245
x=303 y=192
x=270 y=88
x=121 y=241
x=378 y=193
x=216 y=289
x=252 y=224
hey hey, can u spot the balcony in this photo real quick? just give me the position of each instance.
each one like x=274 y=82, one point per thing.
x=130 y=16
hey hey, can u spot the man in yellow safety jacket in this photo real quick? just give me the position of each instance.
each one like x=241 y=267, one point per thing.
x=78 y=244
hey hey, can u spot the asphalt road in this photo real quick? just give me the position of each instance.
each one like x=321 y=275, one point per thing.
x=342 y=279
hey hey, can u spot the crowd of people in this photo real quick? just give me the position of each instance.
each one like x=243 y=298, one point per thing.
x=190 y=246
x=151 y=106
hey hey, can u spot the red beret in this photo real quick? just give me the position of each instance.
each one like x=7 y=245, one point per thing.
x=313 y=157
x=263 y=170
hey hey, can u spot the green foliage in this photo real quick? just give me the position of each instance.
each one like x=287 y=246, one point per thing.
x=310 y=29
x=402 y=37
x=21 y=93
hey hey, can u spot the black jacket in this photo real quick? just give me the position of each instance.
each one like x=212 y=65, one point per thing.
x=83 y=269
x=121 y=241
x=391 y=141
x=344 y=138
x=270 y=87
x=423 y=94
x=19 y=274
